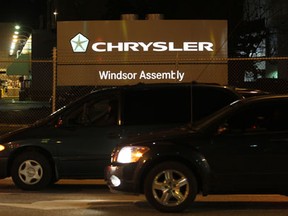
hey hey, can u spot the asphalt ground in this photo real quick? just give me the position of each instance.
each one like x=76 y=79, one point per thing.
x=15 y=114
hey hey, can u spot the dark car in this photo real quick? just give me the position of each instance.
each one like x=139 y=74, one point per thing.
x=242 y=148
x=248 y=92
x=76 y=141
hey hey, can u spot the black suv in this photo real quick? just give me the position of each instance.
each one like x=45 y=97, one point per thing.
x=76 y=141
x=243 y=148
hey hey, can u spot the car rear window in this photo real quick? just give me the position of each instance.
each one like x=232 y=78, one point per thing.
x=206 y=101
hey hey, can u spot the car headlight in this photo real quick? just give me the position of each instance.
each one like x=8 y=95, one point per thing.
x=130 y=154
x=2 y=148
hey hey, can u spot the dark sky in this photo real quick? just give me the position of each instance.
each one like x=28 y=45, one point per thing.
x=29 y=12
x=172 y=9
x=26 y=12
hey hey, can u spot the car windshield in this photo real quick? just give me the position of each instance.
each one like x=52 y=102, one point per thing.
x=203 y=123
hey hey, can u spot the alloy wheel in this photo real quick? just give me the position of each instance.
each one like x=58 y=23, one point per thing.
x=170 y=188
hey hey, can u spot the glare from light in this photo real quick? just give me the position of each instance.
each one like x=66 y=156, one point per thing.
x=13 y=45
x=131 y=154
x=25 y=38
x=2 y=147
x=55 y=15
x=115 y=181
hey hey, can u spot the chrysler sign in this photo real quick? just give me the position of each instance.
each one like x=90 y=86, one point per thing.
x=79 y=44
x=126 y=52
x=158 y=46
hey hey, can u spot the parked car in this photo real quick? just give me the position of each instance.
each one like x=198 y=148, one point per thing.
x=243 y=148
x=248 y=92
x=68 y=94
x=76 y=141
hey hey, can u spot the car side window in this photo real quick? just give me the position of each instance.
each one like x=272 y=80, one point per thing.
x=157 y=106
x=268 y=116
x=94 y=112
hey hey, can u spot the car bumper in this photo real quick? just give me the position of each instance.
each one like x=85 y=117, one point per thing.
x=121 y=178
x=3 y=168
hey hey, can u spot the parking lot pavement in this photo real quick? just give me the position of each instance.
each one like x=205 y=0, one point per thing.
x=15 y=104
x=15 y=114
x=99 y=182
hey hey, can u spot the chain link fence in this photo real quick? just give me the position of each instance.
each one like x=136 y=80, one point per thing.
x=25 y=92
x=35 y=95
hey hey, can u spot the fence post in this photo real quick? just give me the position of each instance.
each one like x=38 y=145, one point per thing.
x=54 y=79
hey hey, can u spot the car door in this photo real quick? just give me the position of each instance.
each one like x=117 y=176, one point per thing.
x=250 y=149
x=87 y=135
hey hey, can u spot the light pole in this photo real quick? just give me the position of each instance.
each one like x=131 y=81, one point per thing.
x=54 y=21
x=55 y=15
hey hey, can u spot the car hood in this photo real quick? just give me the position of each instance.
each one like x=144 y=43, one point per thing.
x=173 y=133
x=27 y=131
x=16 y=134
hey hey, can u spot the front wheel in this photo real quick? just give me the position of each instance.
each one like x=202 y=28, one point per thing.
x=170 y=187
x=31 y=171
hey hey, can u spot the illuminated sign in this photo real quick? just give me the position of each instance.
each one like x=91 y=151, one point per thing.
x=154 y=46
x=125 y=52
x=79 y=43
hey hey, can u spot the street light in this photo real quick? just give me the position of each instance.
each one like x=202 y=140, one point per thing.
x=54 y=21
x=55 y=15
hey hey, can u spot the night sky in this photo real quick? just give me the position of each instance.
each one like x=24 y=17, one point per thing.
x=30 y=12
x=25 y=12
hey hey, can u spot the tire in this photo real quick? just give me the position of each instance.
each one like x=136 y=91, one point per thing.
x=31 y=171
x=170 y=187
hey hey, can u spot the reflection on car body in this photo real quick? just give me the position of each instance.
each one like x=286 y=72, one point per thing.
x=248 y=92
x=242 y=148
x=77 y=140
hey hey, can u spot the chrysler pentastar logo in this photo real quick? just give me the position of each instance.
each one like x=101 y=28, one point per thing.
x=79 y=43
